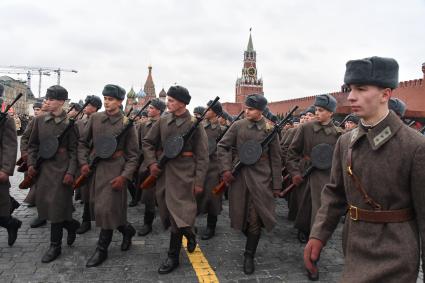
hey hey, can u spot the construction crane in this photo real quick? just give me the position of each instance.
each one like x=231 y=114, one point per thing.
x=40 y=71
x=28 y=73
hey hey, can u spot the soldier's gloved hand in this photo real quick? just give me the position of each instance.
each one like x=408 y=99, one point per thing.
x=68 y=179
x=31 y=171
x=228 y=177
x=85 y=169
x=118 y=183
x=4 y=177
x=297 y=180
x=311 y=255
x=198 y=190
x=154 y=169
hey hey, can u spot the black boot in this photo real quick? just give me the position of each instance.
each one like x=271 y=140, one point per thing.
x=191 y=238
x=250 y=249
x=210 y=231
x=14 y=205
x=136 y=199
x=132 y=190
x=101 y=252
x=37 y=222
x=72 y=227
x=12 y=225
x=172 y=260
x=128 y=232
x=55 y=249
x=147 y=226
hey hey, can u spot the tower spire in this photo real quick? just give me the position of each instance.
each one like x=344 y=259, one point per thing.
x=250 y=47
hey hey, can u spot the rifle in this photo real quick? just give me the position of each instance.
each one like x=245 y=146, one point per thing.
x=150 y=180
x=264 y=143
x=129 y=112
x=228 y=127
x=422 y=130
x=93 y=163
x=30 y=180
x=3 y=115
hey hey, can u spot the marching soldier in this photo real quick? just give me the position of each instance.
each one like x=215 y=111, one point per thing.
x=155 y=109
x=207 y=202
x=56 y=174
x=351 y=122
x=378 y=174
x=38 y=108
x=307 y=137
x=183 y=176
x=108 y=196
x=251 y=202
x=398 y=106
x=8 y=151
x=81 y=124
x=198 y=111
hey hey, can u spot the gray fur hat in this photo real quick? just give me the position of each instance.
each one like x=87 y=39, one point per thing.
x=94 y=100
x=114 y=91
x=310 y=109
x=57 y=92
x=180 y=93
x=326 y=101
x=398 y=106
x=257 y=101
x=377 y=71
x=217 y=109
x=158 y=104
x=352 y=118
x=199 y=110
x=1 y=89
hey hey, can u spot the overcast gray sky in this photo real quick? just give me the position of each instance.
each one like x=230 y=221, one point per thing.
x=302 y=46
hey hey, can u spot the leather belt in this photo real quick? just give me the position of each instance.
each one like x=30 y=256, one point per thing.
x=61 y=150
x=306 y=157
x=186 y=154
x=117 y=154
x=264 y=157
x=381 y=216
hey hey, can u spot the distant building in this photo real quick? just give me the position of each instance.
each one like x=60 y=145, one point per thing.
x=137 y=100
x=12 y=88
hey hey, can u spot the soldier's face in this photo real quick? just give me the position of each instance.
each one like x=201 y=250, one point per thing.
x=367 y=100
x=253 y=114
x=309 y=117
x=349 y=125
x=153 y=112
x=37 y=111
x=72 y=113
x=111 y=103
x=53 y=104
x=303 y=119
x=174 y=105
x=210 y=114
x=323 y=115
x=90 y=109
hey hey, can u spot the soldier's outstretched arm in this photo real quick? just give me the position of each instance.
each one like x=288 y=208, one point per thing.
x=417 y=183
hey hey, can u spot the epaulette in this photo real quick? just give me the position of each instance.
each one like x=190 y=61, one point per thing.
x=125 y=120
x=193 y=118
x=268 y=127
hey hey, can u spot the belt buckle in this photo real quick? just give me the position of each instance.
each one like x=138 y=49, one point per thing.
x=356 y=217
x=349 y=171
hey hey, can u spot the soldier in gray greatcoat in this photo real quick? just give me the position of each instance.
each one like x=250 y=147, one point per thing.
x=208 y=202
x=251 y=195
x=378 y=175
x=108 y=195
x=94 y=105
x=8 y=151
x=183 y=177
x=155 y=109
x=55 y=175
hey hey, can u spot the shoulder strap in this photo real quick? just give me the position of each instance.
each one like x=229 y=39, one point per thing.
x=356 y=180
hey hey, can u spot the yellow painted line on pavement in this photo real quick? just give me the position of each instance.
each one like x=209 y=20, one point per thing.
x=200 y=264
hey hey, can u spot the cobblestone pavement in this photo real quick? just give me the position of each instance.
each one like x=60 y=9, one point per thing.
x=278 y=259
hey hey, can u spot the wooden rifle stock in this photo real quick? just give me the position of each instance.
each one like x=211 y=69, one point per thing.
x=27 y=182
x=219 y=188
x=80 y=181
x=148 y=182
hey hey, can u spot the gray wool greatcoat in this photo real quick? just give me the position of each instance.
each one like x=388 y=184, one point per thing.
x=30 y=198
x=208 y=202
x=109 y=206
x=306 y=137
x=54 y=199
x=8 y=152
x=174 y=188
x=148 y=196
x=256 y=181
x=80 y=126
x=389 y=159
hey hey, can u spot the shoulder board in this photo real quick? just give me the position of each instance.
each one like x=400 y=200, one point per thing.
x=268 y=127
x=125 y=120
x=193 y=119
